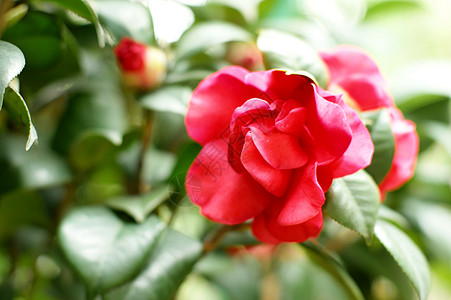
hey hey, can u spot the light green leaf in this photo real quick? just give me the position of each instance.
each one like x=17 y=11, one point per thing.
x=170 y=263
x=12 y=63
x=105 y=250
x=384 y=143
x=140 y=206
x=205 y=35
x=125 y=18
x=286 y=51
x=353 y=201
x=407 y=255
x=334 y=268
x=168 y=99
x=18 y=110
x=440 y=133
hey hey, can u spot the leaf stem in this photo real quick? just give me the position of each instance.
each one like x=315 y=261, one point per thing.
x=5 y=5
x=214 y=238
x=146 y=137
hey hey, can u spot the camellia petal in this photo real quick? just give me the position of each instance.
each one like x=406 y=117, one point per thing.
x=303 y=200
x=360 y=150
x=406 y=152
x=329 y=129
x=224 y=195
x=268 y=231
x=213 y=103
x=280 y=150
x=273 y=180
x=355 y=72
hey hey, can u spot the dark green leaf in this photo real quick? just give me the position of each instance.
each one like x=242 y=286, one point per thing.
x=18 y=110
x=12 y=62
x=407 y=255
x=168 y=99
x=170 y=263
x=13 y=215
x=205 y=35
x=37 y=168
x=105 y=250
x=100 y=113
x=384 y=143
x=288 y=52
x=140 y=206
x=353 y=201
x=334 y=268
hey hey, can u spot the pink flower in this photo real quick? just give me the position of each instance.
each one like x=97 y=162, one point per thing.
x=272 y=144
x=142 y=67
x=357 y=75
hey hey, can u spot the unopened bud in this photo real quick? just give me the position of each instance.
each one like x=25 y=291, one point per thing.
x=246 y=55
x=142 y=67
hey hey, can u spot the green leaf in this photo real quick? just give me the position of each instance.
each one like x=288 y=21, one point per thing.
x=134 y=19
x=334 y=268
x=105 y=250
x=12 y=63
x=407 y=255
x=384 y=143
x=353 y=201
x=100 y=113
x=168 y=99
x=140 y=206
x=205 y=35
x=13 y=215
x=79 y=7
x=38 y=168
x=390 y=6
x=18 y=110
x=440 y=133
x=286 y=51
x=170 y=263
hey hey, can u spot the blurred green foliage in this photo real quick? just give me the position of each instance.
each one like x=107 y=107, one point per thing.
x=90 y=209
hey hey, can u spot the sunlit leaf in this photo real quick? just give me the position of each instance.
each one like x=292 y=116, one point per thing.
x=286 y=51
x=172 y=260
x=12 y=62
x=168 y=99
x=205 y=35
x=384 y=143
x=353 y=201
x=407 y=255
x=105 y=250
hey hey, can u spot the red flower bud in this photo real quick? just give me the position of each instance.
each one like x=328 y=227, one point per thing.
x=142 y=67
x=245 y=55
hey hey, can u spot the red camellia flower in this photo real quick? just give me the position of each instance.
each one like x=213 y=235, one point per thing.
x=272 y=144
x=357 y=75
x=142 y=67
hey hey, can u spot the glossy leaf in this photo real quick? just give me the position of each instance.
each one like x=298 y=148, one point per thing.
x=18 y=110
x=105 y=250
x=408 y=256
x=140 y=206
x=172 y=99
x=384 y=143
x=353 y=201
x=79 y=7
x=12 y=62
x=286 y=51
x=203 y=36
x=169 y=264
x=134 y=19
x=334 y=268
x=38 y=168
x=99 y=113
